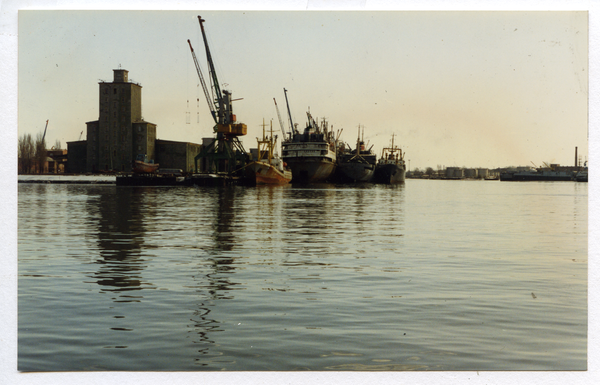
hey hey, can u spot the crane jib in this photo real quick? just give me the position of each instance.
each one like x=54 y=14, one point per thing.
x=213 y=74
x=204 y=88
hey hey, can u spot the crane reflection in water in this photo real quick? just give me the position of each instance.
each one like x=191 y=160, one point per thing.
x=213 y=269
x=126 y=226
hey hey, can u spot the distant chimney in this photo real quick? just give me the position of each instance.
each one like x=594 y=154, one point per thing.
x=576 y=157
x=121 y=76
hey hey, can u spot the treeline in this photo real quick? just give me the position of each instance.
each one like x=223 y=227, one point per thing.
x=33 y=153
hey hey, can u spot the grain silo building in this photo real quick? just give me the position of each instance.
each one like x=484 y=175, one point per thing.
x=120 y=134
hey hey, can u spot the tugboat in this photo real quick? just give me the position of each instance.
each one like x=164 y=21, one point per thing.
x=391 y=168
x=268 y=168
x=356 y=166
x=141 y=165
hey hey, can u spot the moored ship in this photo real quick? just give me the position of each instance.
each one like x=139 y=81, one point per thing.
x=552 y=173
x=311 y=155
x=141 y=165
x=391 y=168
x=582 y=175
x=356 y=166
x=268 y=168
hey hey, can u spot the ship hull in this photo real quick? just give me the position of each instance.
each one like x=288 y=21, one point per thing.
x=265 y=173
x=310 y=170
x=389 y=174
x=355 y=172
x=140 y=167
x=582 y=176
x=528 y=177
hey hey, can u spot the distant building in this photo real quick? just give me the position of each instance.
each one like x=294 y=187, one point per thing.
x=470 y=173
x=77 y=157
x=56 y=161
x=120 y=134
x=176 y=155
x=454 y=173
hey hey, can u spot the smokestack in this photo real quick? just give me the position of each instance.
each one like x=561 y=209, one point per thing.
x=575 y=156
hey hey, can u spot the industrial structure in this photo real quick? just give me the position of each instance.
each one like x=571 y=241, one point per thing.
x=225 y=154
x=120 y=134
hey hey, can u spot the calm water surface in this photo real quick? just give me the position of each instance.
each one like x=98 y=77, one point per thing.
x=430 y=275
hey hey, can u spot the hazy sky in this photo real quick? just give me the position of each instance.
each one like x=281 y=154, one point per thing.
x=475 y=89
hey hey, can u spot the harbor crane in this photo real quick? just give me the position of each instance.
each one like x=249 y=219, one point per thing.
x=44 y=136
x=280 y=120
x=203 y=83
x=289 y=113
x=225 y=154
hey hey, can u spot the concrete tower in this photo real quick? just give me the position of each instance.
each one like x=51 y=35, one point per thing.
x=120 y=134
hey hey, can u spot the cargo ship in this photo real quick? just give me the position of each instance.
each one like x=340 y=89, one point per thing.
x=268 y=168
x=311 y=155
x=391 y=168
x=553 y=172
x=356 y=166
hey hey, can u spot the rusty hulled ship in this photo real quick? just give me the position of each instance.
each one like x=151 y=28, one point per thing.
x=268 y=168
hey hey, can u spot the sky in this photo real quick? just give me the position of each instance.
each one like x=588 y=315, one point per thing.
x=455 y=88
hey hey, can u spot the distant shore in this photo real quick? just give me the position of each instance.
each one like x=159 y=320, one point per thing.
x=68 y=178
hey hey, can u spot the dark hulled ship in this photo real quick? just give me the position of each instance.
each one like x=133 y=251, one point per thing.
x=355 y=166
x=391 y=168
x=311 y=155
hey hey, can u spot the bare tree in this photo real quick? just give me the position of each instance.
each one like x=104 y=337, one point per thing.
x=26 y=153
x=21 y=154
x=57 y=145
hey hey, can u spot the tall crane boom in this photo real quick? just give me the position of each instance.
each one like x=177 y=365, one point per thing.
x=220 y=102
x=199 y=71
x=279 y=116
x=219 y=99
x=224 y=154
x=44 y=136
x=289 y=113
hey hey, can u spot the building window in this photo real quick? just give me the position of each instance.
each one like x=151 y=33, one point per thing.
x=115 y=91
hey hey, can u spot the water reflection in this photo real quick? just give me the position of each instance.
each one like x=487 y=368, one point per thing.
x=308 y=211
x=222 y=201
x=120 y=232
x=214 y=269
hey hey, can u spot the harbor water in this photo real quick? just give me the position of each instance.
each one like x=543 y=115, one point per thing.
x=431 y=275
